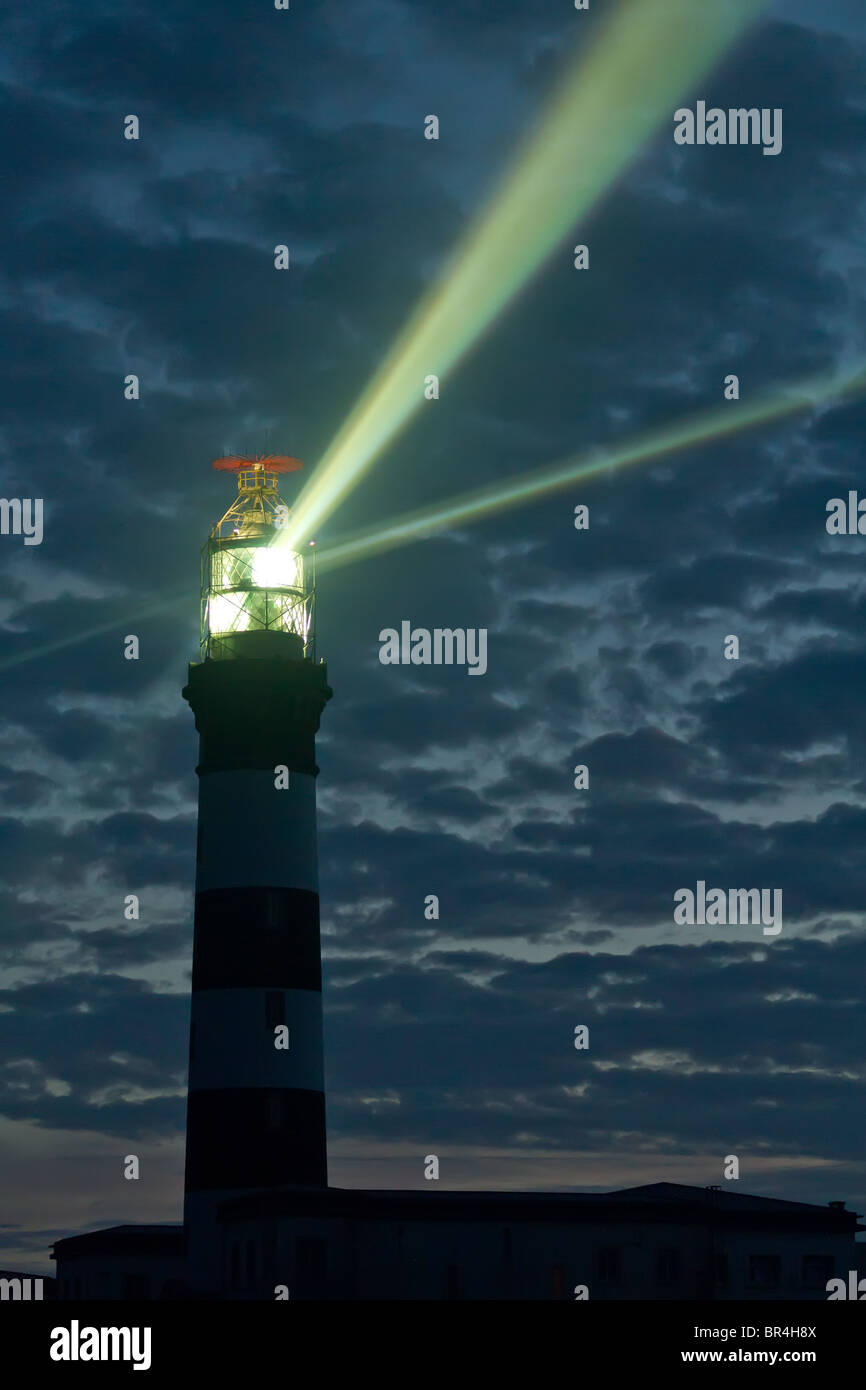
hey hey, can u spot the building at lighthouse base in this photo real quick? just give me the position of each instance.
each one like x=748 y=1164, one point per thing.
x=663 y=1241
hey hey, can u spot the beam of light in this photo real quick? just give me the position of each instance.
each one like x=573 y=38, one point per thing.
x=698 y=429
x=529 y=487
x=648 y=53
x=179 y=601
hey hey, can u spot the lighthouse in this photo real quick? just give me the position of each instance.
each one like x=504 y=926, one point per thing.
x=256 y=1104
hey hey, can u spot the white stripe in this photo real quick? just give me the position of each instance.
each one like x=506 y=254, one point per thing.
x=235 y=1047
x=253 y=836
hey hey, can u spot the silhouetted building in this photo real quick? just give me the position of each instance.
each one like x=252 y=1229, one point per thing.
x=137 y=1262
x=663 y=1241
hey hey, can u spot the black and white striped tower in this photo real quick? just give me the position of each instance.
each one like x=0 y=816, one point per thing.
x=255 y=1109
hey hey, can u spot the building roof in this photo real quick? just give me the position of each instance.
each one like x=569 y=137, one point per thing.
x=655 y=1202
x=662 y=1201
x=124 y=1240
x=725 y=1198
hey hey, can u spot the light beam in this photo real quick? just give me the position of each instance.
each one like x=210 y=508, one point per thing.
x=180 y=601
x=647 y=54
x=529 y=487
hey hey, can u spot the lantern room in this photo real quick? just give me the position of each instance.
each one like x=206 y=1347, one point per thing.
x=257 y=593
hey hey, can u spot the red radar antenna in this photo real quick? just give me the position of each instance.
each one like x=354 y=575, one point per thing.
x=271 y=463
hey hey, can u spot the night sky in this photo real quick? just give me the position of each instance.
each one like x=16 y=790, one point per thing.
x=605 y=648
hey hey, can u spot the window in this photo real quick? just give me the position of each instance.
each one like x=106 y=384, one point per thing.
x=765 y=1271
x=452 y=1282
x=136 y=1286
x=101 y=1285
x=817 y=1269
x=558 y=1281
x=275 y=1008
x=721 y=1270
x=610 y=1265
x=235 y=1265
x=251 y=1262
x=668 y=1266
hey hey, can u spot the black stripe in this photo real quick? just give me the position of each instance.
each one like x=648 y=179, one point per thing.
x=288 y=698
x=255 y=1138
x=259 y=938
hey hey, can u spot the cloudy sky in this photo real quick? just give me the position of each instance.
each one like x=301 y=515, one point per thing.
x=454 y=1037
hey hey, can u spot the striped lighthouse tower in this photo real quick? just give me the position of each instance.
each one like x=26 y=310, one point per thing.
x=256 y=1104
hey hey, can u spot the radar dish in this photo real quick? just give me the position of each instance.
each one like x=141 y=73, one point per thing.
x=271 y=463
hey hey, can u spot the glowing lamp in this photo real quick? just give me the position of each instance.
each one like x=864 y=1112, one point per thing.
x=251 y=583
